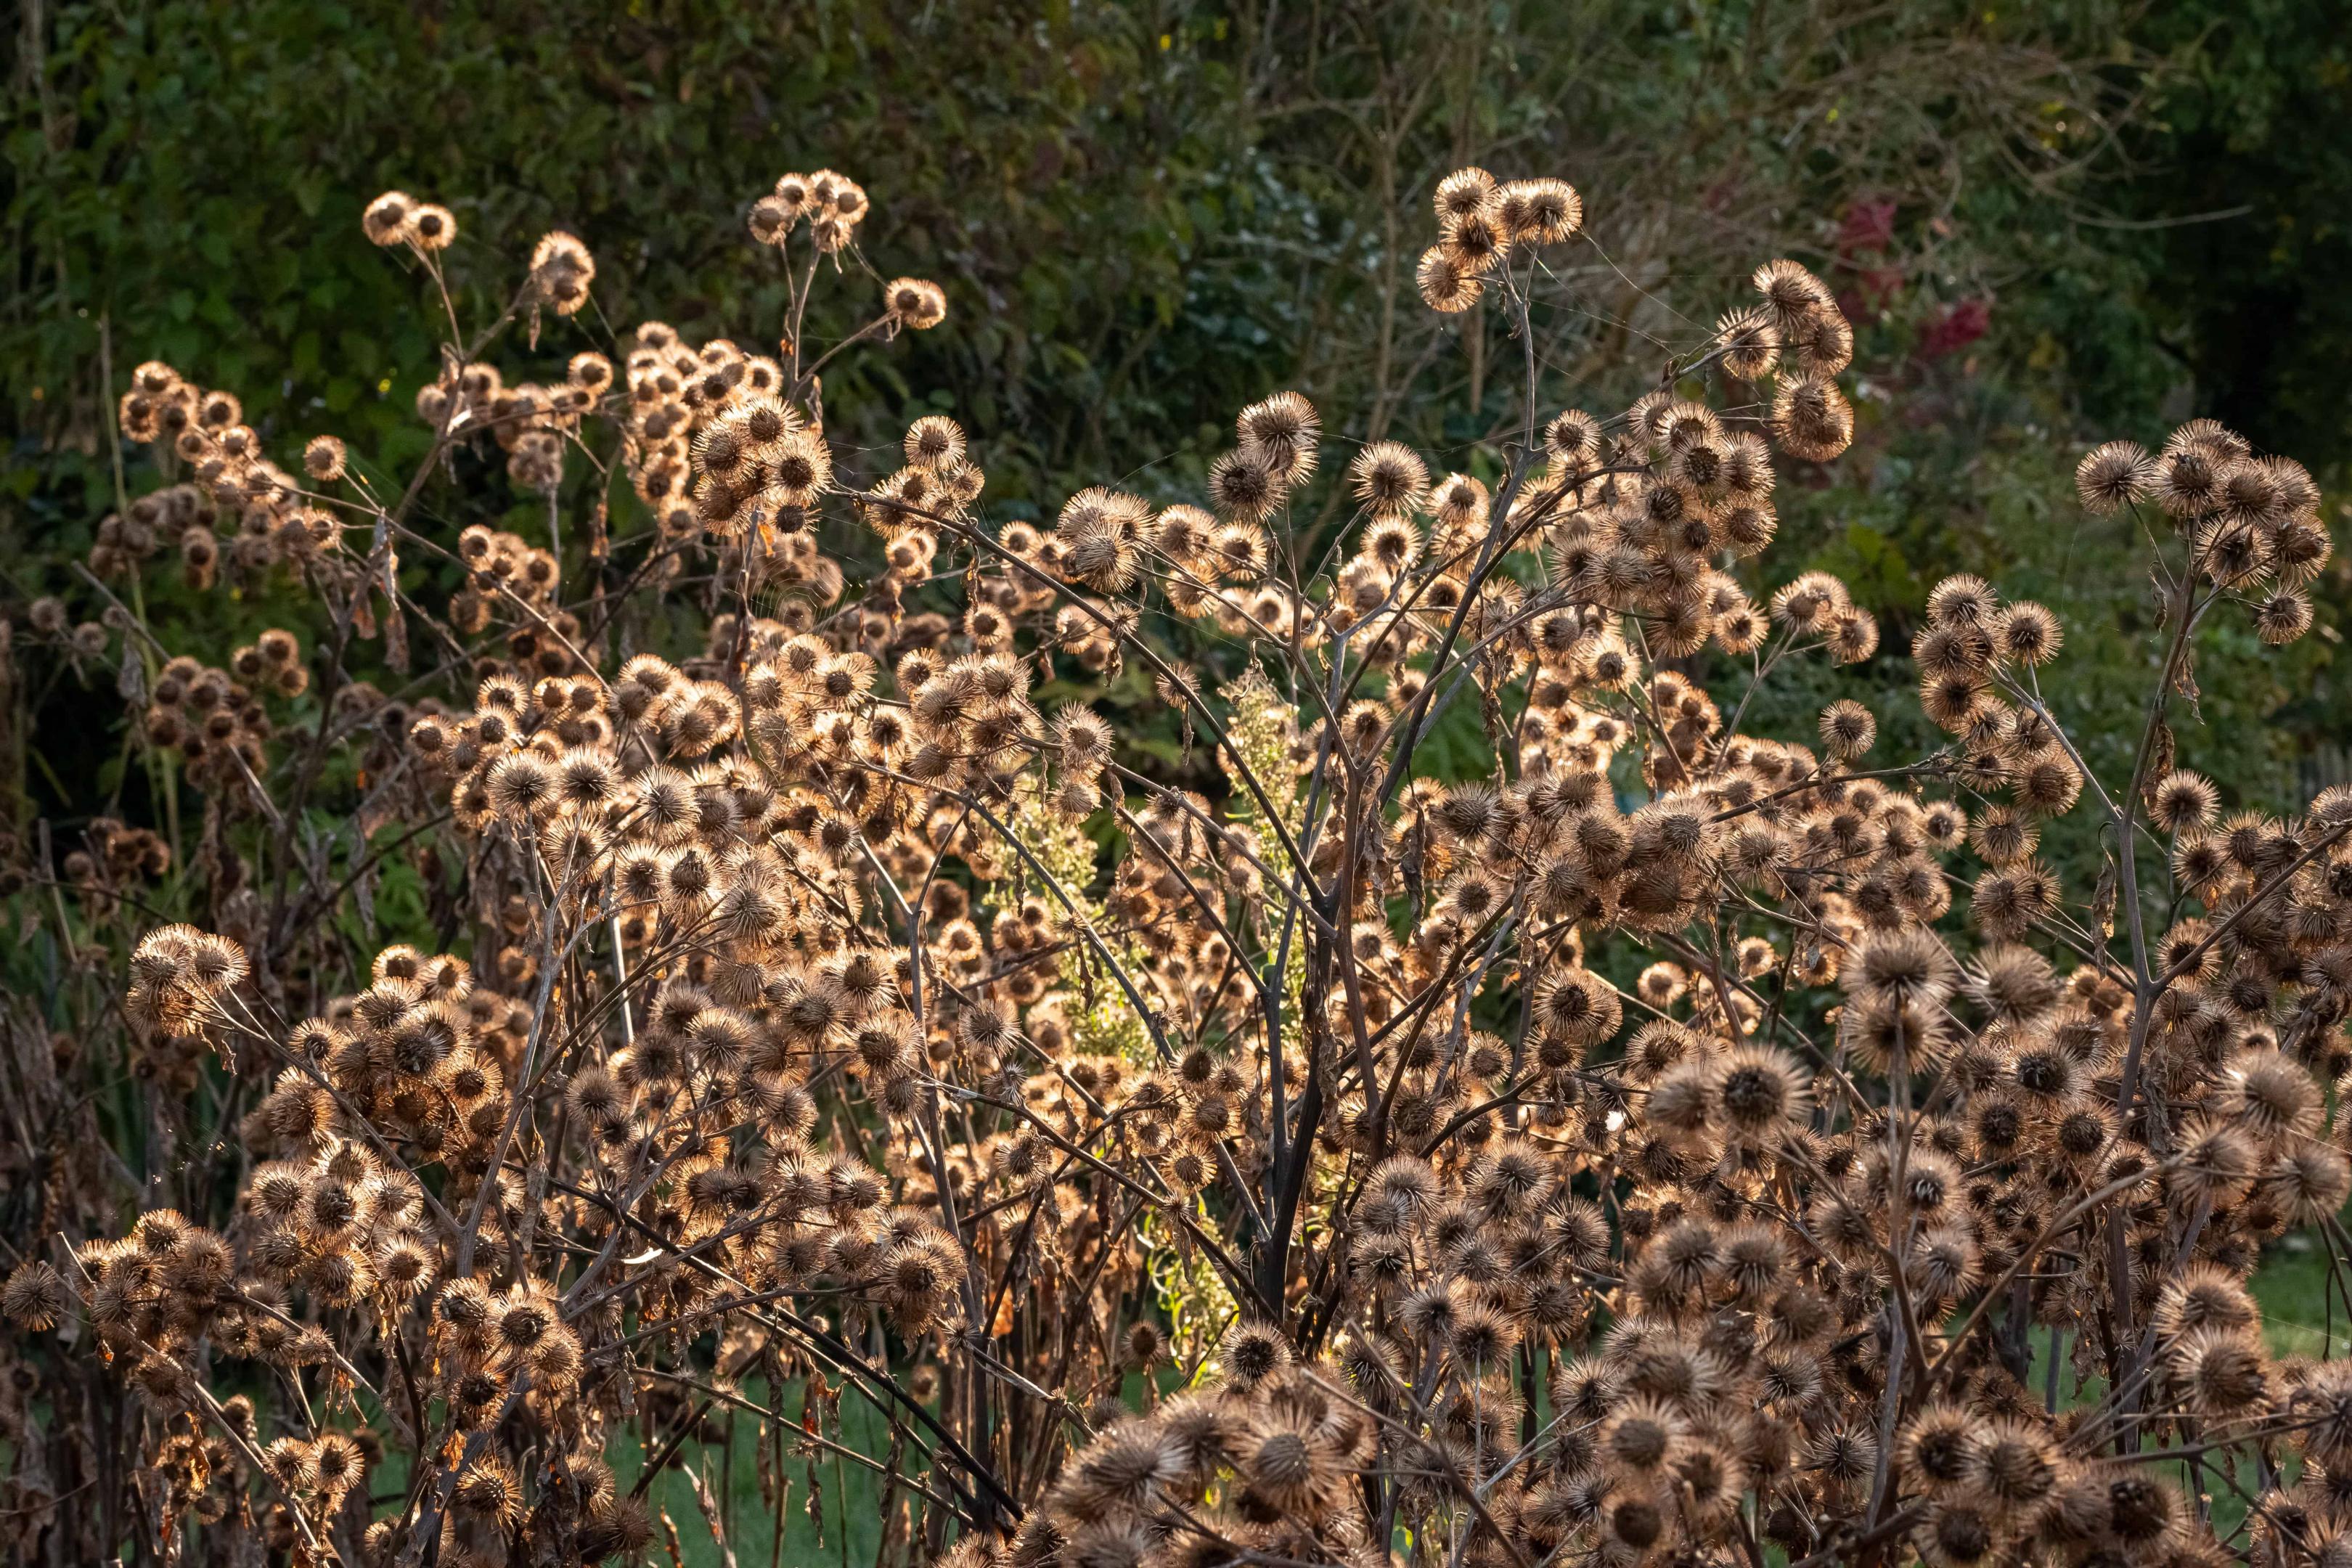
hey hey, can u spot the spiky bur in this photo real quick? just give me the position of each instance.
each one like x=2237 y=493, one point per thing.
x=1669 y=1148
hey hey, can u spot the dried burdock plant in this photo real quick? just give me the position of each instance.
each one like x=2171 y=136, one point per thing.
x=1670 y=1149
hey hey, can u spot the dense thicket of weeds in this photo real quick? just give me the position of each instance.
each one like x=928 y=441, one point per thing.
x=1662 y=1151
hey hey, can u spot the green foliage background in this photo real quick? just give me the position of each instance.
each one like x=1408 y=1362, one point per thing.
x=1147 y=214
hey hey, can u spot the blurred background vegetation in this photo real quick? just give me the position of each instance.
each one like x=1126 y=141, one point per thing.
x=2052 y=222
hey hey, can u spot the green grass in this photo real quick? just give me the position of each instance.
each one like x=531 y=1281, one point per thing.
x=2302 y=1316
x=852 y=1536
x=852 y=1494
